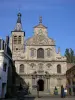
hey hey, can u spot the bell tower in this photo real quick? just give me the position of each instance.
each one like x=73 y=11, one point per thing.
x=17 y=37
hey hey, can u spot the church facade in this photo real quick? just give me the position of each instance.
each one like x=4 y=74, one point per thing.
x=36 y=59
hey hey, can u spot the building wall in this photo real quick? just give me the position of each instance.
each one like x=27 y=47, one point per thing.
x=5 y=63
x=28 y=70
x=55 y=59
x=70 y=74
x=3 y=59
x=32 y=64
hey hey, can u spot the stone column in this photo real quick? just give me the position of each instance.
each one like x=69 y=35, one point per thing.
x=48 y=84
x=45 y=84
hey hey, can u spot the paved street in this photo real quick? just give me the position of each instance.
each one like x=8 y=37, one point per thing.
x=49 y=98
x=43 y=98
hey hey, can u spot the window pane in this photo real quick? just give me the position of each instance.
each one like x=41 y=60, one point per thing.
x=58 y=68
x=15 y=39
x=40 y=53
x=19 y=40
x=21 y=68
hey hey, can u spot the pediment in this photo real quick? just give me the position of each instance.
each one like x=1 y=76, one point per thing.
x=40 y=26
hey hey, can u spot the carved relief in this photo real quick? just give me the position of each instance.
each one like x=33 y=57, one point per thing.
x=32 y=65
x=40 y=70
x=39 y=40
x=49 y=65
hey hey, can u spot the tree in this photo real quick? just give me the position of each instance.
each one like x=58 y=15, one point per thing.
x=69 y=53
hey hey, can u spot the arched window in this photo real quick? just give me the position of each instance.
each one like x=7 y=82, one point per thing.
x=58 y=68
x=40 y=53
x=21 y=70
x=15 y=40
x=19 y=40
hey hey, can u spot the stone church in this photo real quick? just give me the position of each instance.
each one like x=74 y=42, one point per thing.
x=36 y=59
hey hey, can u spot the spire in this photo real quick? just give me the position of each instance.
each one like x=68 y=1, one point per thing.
x=18 y=24
x=19 y=18
x=40 y=20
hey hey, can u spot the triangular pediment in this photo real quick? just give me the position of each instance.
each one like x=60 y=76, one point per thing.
x=40 y=26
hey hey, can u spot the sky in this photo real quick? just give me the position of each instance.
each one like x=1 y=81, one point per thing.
x=57 y=15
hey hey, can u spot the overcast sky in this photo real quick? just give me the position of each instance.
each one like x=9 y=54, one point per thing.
x=58 y=16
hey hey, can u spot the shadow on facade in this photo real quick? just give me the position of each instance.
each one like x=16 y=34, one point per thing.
x=70 y=74
x=21 y=88
x=11 y=80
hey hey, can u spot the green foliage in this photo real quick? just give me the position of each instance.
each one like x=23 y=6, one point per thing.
x=69 y=53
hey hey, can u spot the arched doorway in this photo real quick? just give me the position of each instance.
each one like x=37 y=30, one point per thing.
x=41 y=84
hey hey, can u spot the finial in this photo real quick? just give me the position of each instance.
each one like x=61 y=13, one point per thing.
x=40 y=20
x=19 y=15
x=19 y=18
